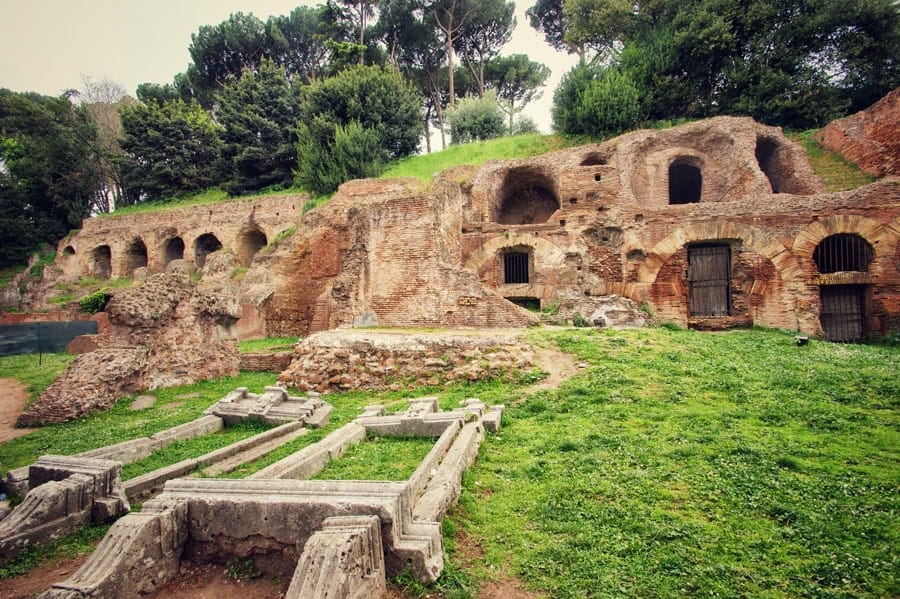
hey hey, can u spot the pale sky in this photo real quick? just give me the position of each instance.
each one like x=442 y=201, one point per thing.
x=46 y=46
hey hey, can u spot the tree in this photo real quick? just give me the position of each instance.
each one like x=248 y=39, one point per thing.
x=48 y=171
x=476 y=119
x=171 y=149
x=517 y=80
x=595 y=101
x=362 y=98
x=550 y=18
x=360 y=12
x=298 y=43
x=797 y=65
x=259 y=114
x=450 y=17
x=220 y=53
x=487 y=28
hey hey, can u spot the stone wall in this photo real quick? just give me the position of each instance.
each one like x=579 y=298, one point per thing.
x=868 y=138
x=345 y=360
x=114 y=246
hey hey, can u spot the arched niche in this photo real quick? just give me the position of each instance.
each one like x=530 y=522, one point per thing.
x=250 y=241
x=205 y=245
x=685 y=181
x=526 y=198
x=173 y=249
x=68 y=251
x=101 y=262
x=136 y=255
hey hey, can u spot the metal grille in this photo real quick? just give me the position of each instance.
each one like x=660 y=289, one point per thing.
x=843 y=252
x=842 y=315
x=515 y=267
x=709 y=275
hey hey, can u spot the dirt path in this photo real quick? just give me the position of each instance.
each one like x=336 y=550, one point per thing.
x=13 y=398
x=39 y=580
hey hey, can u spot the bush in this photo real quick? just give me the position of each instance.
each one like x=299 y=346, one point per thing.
x=476 y=119
x=598 y=102
x=94 y=302
x=355 y=153
x=524 y=125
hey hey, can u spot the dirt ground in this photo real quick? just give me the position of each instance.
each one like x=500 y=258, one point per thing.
x=12 y=401
x=213 y=581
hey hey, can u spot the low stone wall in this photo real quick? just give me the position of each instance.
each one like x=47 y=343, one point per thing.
x=266 y=362
x=344 y=360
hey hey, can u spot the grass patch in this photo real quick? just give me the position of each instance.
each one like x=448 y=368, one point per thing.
x=379 y=458
x=9 y=273
x=680 y=464
x=173 y=406
x=425 y=166
x=836 y=172
x=674 y=464
x=209 y=196
x=74 y=545
x=35 y=371
x=269 y=344
x=194 y=448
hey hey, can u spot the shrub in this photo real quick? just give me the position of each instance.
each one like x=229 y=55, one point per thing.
x=476 y=119
x=596 y=102
x=95 y=302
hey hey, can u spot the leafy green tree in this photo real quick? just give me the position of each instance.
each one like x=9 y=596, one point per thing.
x=354 y=152
x=595 y=101
x=171 y=149
x=49 y=171
x=298 y=42
x=517 y=80
x=259 y=114
x=376 y=99
x=488 y=26
x=220 y=53
x=476 y=119
x=550 y=18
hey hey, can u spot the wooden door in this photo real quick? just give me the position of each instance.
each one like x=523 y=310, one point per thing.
x=709 y=277
x=842 y=314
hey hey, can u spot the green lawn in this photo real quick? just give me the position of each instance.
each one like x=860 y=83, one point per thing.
x=675 y=464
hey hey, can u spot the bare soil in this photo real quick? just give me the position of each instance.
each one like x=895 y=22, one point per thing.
x=558 y=364
x=13 y=398
x=40 y=579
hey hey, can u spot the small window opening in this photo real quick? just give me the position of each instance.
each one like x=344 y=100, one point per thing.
x=515 y=267
x=573 y=201
x=598 y=177
x=562 y=222
x=843 y=252
x=685 y=183
x=205 y=245
x=68 y=251
x=174 y=249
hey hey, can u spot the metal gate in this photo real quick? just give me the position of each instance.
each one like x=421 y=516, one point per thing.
x=709 y=276
x=842 y=314
x=515 y=267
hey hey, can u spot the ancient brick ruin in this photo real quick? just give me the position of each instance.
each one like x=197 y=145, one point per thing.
x=713 y=224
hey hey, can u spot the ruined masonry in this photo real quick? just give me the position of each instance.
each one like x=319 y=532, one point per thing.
x=61 y=493
x=714 y=224
x=330 y=538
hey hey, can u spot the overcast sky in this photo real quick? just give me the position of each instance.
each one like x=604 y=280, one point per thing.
x=46 y=46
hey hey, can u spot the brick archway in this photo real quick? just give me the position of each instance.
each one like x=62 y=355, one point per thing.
x=754 y=239
x=544 y=251
x=881 y=236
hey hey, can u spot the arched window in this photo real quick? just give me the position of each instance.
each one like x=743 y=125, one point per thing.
x=843 y=252
x=685 y=182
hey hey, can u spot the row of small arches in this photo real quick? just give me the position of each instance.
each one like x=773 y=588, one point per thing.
x=173 y=248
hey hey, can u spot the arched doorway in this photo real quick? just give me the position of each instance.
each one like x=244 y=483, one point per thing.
x=251 y=241
x=136 y=255
x=101 y=262
x=173 y=249
x=685 y=182
x=526 y=198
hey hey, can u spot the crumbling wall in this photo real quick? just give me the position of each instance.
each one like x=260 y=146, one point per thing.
x=162 y=333
x=868 y=138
